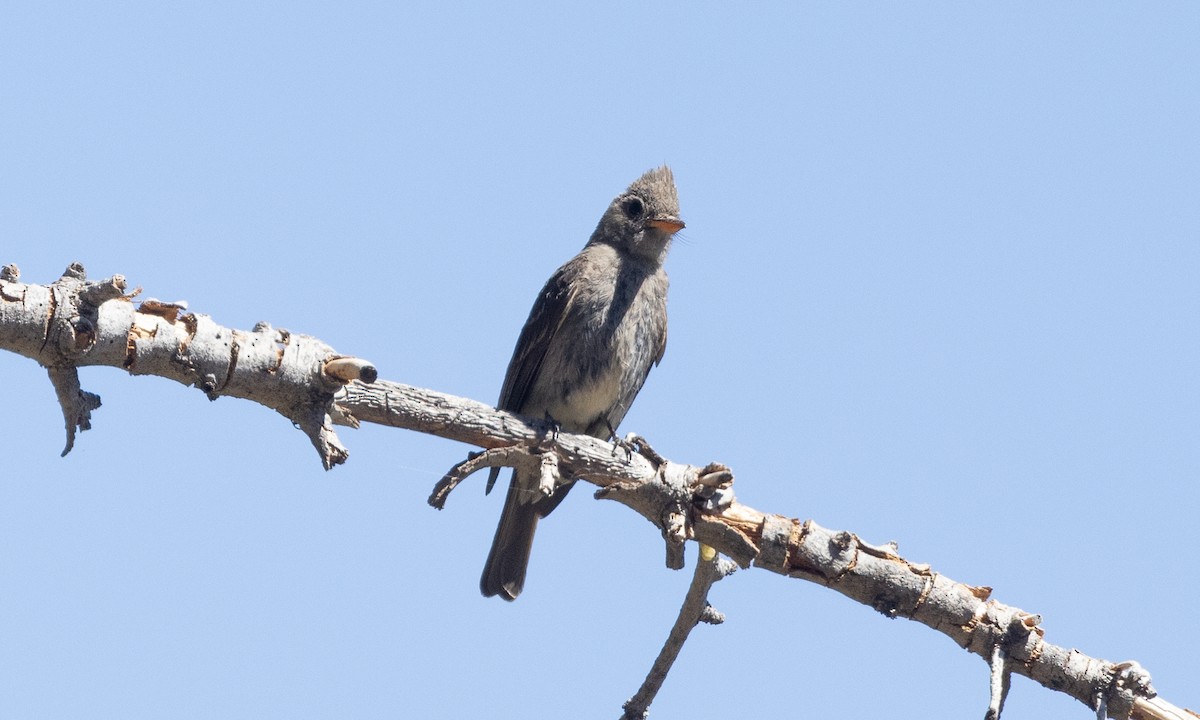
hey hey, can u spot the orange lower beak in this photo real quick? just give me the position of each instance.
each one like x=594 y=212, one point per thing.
x=670 y=224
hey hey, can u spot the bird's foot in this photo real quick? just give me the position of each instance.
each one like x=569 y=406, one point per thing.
x=634 y=443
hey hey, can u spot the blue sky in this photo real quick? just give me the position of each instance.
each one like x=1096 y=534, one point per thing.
x=938 y=286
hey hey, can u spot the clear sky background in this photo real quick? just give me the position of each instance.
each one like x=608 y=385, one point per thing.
x=939 y=285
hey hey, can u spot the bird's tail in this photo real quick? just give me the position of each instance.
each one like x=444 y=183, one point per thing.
x=504 y=573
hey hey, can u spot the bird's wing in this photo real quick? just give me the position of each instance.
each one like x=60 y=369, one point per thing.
x=547 y=316
x=662 y=348
x=545 y=319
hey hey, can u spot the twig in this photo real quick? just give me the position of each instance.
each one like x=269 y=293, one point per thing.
x=521 y=456
x=695 y=608
x=1000 y=680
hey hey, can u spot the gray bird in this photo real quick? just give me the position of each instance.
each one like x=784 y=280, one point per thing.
x=585 y=351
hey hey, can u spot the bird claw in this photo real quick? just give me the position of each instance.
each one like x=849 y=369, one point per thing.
x=620 y=443
x=632 y=443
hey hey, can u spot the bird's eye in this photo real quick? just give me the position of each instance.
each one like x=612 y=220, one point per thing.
x=634 y=207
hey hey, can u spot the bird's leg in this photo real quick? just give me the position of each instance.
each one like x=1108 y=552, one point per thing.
x=555 y=426
x=618 y=442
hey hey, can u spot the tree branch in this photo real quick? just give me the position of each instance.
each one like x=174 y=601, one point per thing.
x=695 y=609
x=74 y=322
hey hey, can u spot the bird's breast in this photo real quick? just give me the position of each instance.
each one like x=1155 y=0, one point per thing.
x=602 y=355
x=579 y=407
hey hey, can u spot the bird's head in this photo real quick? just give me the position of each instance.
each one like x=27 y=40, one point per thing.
x=643 y=219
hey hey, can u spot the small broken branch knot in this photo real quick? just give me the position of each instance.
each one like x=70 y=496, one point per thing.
x=343 y=369
x=714 y=486
x=1128 y=683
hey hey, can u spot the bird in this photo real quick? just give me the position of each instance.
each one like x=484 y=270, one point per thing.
x=592 y=336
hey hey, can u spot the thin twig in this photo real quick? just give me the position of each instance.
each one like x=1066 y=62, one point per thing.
x=999 y=682
x=695 y=605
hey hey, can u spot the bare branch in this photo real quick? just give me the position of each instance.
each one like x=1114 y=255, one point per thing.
x=512 y=456
x=74 y=323
x=695 y=609
x=1000 y=679
x=872 y=574
x=1156 y=708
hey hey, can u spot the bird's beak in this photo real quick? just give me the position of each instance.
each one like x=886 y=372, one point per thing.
x=669 y=224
